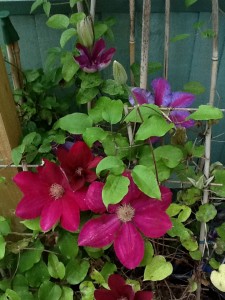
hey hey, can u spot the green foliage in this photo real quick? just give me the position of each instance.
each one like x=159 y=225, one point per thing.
x=112 y=164
x=72 y=274
x=75 y=123
x=58 y=21
x=190 y=2
x=158 y=269
x=206 y=213
x=206 y=112
x=194 y=87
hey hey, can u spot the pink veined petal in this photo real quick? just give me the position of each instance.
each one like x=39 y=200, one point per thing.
x=142 y=96
x=99 y=232
x=83 y=61
x=80 y=155
x=70 y=215
x=80 y=196
x=182 y=99
x=51 y=214
x=166 y=196
x=103 y=294
x=90 y=176
x=143 y=295
x=129 y=246
x=94 y=197
x=99 y=48
x=162 y=92
x=178 y=118
x=107 y=56
x=93 y=163
x=83 y=50
x=153 y=223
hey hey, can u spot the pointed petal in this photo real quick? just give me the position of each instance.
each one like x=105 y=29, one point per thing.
x=70 y=215
x=26 y=181
x=80 y=196
x=162 y=92
x=178 y=118
x=119 y=287
x=107 y=56
x=94 y=162
x=94 y=198
x=99 y=232
x=103 y=294
x=129 y=246
x=143 y=295
x=80 y=155
x=115 y=280
x=166 y=197
x=62 y=155
x=83 y=50
x=50 y=215
x=98 y=49
x=182 y=99
x=83 y=61
x=30 y=206
x=142 y=96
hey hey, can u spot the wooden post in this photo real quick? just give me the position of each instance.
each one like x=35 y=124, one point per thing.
x=10 y=132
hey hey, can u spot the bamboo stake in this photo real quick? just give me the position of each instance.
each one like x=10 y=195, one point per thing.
x=80 y=7
x=92 y=10
x=132 y=37
x=167 y=37
x=145 y=43
x=215 y=22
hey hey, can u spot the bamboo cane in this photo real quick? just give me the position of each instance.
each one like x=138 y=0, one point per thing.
x=132 y=37
x=167 y=37
x=92 y=10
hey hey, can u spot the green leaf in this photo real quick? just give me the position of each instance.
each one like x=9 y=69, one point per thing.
x=219 y=178
x=113 y=113
x=108 y=269
x=94 y=252
x=58 y=21
x=67 y=35
x=196 y=255
x=189 y=242
x=76 y=17
x=208 y=33
x=67 y=293
x=158 y=269
x=190 y=2
x=164 y=153
x=35 y=5
x=87 y=290
x=116 y=144
x=221 y=231
x=94 y=134
x=97 y=277
x=100 y=29
x=67 y=244
x=73 y=276
x=149 y=252
x=90 y=80
x=205 y=113
x=183 y=211
x=214 y=263
x=218 y=278
x=86 y=95
x=115 y=188
x=194 y=87
x=146 y=181
x=4 y=226
x=32 y=224
x=180 y=37
x=12 y=295
x=37 y=274
x=146 y=110
x=5 y=284
x=17 y=154
x=49 y=290
x=112 y=88
x=96 y=112
x=55 y=268
x=70 y=67
x=112 y=164
x=206 y=213
x=72 y=4
x=2 y=246
x=155 y=126
x=47 y=8
x=75 y=123
x=178 y=229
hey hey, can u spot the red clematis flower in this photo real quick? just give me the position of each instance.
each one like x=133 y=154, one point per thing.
x=95 y=59
x=48 y=195
x=120 y=290
x=78 y=162
x=123 y=223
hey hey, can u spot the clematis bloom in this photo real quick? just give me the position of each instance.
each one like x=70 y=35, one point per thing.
x=120 y=290
x=48 y=195
x=94 y=59
x=164 y=97
x=78 y=162
x=123 y=223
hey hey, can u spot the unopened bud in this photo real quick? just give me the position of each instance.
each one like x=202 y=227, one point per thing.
x=119 y=73
x=85 y=32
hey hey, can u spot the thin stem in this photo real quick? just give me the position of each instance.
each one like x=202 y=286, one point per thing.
x=132 y=37
x=167 y=37
x=92 y=10
x=129 y=127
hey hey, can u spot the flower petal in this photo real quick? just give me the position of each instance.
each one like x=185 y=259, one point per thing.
x=99 y=232
x=115 y=281
x=99 y=48
x=106 y=58
x=103 y=294
x=182 y=99
x=26 y=180
x=81 y=198
x=50 y=214
x=90 y=175
x=143 y=295
x=94 y=162
x=77 y=182
x=129 y=246
x=70 y=215
x=119 y=287
x=142 y=96
x=30 y=206
x=94 y=198
x=162 y=92
x=80 y=155
x=178 y=118
x=52 y=173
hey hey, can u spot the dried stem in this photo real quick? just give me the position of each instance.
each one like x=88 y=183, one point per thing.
x=129 y=127
x=132 y=37
x=167 y=37
x=92 y=10
x=215 y=22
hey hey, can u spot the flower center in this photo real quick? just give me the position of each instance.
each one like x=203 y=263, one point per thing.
x=125 y=213
x=79 y=171
x=56 y=191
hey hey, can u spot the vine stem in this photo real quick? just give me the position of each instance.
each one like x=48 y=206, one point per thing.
x=132 y=37
x=215 y=25
x=167 y=37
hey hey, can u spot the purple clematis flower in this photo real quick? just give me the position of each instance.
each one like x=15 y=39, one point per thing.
x=120 y=290
x=95 y=59
x=162 y=96
x=123 y=223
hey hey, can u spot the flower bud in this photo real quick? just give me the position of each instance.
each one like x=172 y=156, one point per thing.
x=119 y=73
x=85 y=32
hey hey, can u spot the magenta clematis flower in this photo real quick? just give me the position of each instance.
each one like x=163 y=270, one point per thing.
x=162 y=96
x=123 y=223
x=120 y=290
x=95 y=59
x=78 y=162
x=48 y=195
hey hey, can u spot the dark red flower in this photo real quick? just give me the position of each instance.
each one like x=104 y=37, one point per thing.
x=78 y=162
x=119 y=290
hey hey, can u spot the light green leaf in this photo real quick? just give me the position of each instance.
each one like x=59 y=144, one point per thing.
x=218 y=278
x=4 y=226
x=94 y=134
x=115 y=188
x=206 y=112
x=87 y=289
x=67 y=244
x=75 y=123
x=12 y=295
x=196 y=255
x=90 y=80
x=155 y=126
x=73 y=276
x=96 y=112
x=112 y=164
x=32 y=224
x=70 y=67
x=47 y=8
x=49 y=290
x=99 y=30
x=58 y=21
x=35 y=5
x=158 y=269
x=214 y=263
x=97 y=277
x=180 y=37
x=146 y=181
x=67 y=35
x=67 y=293
x=108 y=269
x=86 y=95
x=149 y=252
x=183 y=211
x=146 y=110
x=190 y=2
x=163 y=153
x=113 y=113
x=189 y=242
x=112 y=88
x=76 y=17
x=194 y=87
x=73 y=2
x=2 y=246
x=219 y=178
x=206 y=213
x=116 y=144
x=17 y=154
x=55 y=268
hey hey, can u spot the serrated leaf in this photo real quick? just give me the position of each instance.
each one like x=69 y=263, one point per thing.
x=158 y=269
x=55 y=268
x=180 y=37
x=194 y=87
x=58 y=21
x=115 y=188
x=205 y=113
x=146 y=181
x=206 y=213
x=112 y=164
x=66 y=36
x=75 y=123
